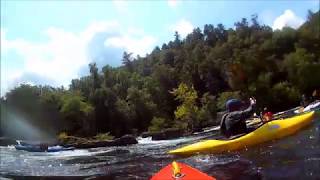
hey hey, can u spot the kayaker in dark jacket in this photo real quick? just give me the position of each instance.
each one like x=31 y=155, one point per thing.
x=234 y=121
x=304 y=100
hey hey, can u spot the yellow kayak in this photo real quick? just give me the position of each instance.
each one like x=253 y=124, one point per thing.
x=271 y=130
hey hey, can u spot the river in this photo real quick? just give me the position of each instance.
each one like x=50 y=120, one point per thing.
x=293 y=157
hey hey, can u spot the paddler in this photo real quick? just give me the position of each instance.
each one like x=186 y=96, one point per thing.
x=234 y=121
x=44 y=146
x=266 y=115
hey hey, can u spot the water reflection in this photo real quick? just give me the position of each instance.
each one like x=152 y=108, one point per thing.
x=294 y=157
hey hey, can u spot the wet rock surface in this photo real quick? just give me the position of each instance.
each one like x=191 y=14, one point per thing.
x=168 y=134
x=83 y=143
x=5 y=141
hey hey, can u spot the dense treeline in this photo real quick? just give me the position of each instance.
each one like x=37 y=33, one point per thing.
x=185 y=82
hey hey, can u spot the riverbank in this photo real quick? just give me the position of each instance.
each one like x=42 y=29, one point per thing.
x=288 y=158
x=96 y=141
x=76 y=142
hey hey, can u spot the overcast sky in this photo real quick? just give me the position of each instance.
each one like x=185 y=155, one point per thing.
x=52 y=42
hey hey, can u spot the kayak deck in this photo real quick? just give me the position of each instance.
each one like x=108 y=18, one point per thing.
x=271 y=130
x=180 y=171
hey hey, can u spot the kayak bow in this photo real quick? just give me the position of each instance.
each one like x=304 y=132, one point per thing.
x=269 y=131
x=180 y=171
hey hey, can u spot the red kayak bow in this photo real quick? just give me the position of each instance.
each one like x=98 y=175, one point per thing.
x=180 y=171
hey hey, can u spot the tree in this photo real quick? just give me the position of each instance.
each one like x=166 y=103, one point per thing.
x=284 y=41
x=207 y=112
x=77 y=113
x=127 y=61
x=35 y=108
x=166 y=79
x=183 y=83
x=108 y=76
x=209 y=35
x=303 y=69
x=309 y=33
x=84 y=85
x=186 y=113
x=242 y=29
x=284 y=96
x=140 y=101
x=95 y=76
x=177 y=41
x=167 y=57
x=221 y=33
x=157 y=124
x=195 y=37
x=124 y=118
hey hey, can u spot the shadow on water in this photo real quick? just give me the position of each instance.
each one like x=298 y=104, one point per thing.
x=294 y=157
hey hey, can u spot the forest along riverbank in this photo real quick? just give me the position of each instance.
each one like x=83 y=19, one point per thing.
x=182 y=84
x=296 y=156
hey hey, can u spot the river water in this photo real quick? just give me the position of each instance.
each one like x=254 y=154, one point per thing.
x=294 y=157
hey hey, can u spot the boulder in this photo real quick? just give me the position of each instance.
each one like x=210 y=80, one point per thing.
x=146 y=134
x=5 y=141
x=197 y=129
x=51 y=142
x=91 y=144
x=168 y=134
x=83 y=143
x=125 y=140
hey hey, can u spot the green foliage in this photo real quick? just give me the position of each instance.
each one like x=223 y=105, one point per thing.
x=84 y=85
x=204 y=70
x=284 y=96
x=309 y=33
x=21 y=97
x=36 y=105
x=127 y=112
x=186 y=113
x=185 y=94
x=74 y=104
x=284 y=40
x=77 y=113
x=95 y=78
x=62 y=135
x=157 y=124
x=208 y=110
x=303 y=69
x=103 y=136
x=127 y=61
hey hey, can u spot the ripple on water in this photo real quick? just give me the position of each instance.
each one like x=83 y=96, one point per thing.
x=294 y=157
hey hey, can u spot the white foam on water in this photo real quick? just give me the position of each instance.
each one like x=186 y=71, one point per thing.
x=10 y=150
x=149 y=141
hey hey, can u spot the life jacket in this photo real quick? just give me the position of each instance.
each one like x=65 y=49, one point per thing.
x=223 y=129
x=268 y=116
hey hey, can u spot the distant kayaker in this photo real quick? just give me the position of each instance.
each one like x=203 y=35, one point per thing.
x=234 y=121
x=44 y=146
x=316 y=95
x=266 y=115
x=304 y=101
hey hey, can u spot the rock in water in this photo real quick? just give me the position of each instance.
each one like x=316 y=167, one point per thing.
x=168 y=134
x=5 y=141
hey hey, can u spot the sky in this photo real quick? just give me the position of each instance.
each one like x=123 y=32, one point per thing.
x=52 y=42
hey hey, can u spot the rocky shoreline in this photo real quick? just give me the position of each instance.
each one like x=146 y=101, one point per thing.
x=77 y=142
x=91 y=142
x=83 y=143
x=165 y=134
x=5 y=141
